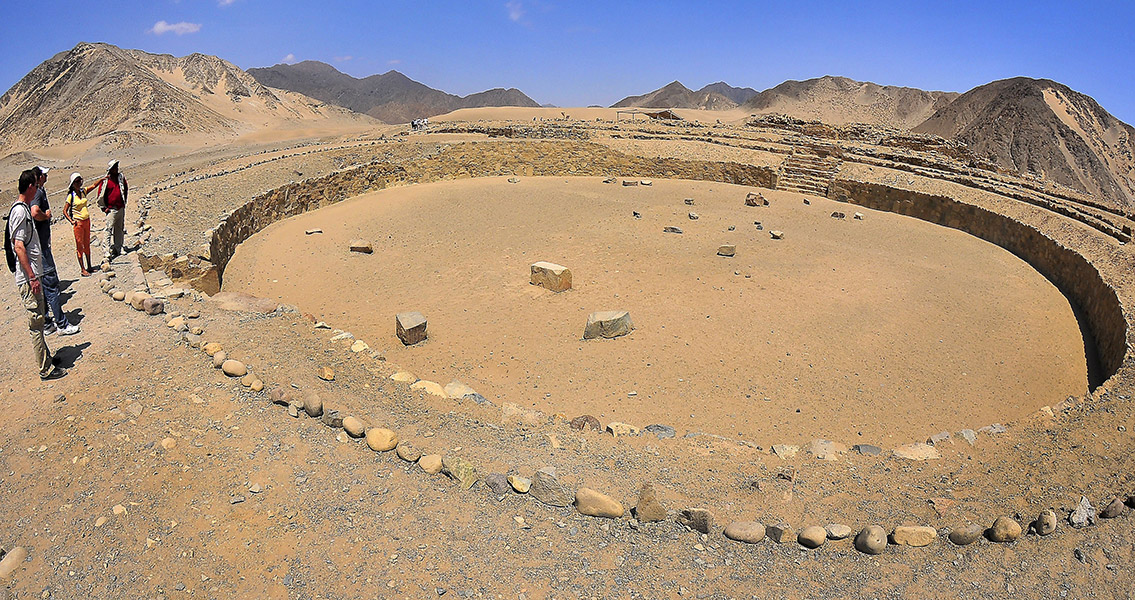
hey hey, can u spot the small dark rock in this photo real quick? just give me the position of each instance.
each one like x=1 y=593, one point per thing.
x=698 y=519
x=662 y=431
x=498 y=483
x=1114 y=509
x=586 y=422
x=332 y=418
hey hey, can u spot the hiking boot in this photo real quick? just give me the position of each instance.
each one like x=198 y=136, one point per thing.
x=56 y=373
x=69 y=329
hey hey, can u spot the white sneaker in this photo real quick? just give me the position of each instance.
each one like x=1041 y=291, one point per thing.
x=49 y=329
x=69 y=330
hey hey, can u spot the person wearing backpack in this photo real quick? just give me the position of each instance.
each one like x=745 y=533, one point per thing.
x=49 y=279
x=25 y=259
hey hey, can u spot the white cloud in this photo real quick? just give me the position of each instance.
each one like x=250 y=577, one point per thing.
x=515 y=10
x=225 y=2
x=343 y=58
x=181 y=28
x=289 y=58
x=394 y=61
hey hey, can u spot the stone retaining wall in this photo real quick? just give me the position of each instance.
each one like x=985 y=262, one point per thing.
x=1074 y=275
x=464 y=160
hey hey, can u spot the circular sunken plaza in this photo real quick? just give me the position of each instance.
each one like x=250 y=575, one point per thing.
x=881 y=329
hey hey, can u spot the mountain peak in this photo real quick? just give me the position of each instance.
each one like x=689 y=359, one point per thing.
x=391 y=96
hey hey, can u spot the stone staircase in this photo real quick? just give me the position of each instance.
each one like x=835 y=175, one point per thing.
x=807 y=173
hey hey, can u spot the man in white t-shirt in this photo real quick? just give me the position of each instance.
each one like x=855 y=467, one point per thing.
x=29 y=268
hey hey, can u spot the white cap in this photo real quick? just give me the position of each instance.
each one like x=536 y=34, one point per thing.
x=112 y=164
x=44 y=170
x=74 y=176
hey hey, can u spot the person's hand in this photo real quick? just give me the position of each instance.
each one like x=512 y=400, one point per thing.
x=36 y=287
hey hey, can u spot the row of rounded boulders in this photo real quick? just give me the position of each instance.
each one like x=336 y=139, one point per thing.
x=545 y=488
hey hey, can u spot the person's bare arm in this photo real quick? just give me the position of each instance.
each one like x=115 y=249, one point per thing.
x=41 y=215
x=25 y=264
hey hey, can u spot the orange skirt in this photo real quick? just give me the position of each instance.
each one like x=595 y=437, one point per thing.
x=82 y=237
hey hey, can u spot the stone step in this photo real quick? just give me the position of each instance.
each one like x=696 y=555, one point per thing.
x=811 y=189
x=807 y=178
x=802 y=174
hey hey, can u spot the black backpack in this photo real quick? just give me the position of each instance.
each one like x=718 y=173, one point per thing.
x=9 y=253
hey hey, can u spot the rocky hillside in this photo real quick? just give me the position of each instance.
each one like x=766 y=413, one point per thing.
x=1042 y=128
x=129 y=96
x=391 y=97
x=839 y=101
x=676 y=95
x=736 y=94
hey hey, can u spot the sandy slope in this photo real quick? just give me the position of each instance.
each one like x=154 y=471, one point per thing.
x=822 y=334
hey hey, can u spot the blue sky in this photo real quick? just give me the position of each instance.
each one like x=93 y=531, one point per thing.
x=596 y=52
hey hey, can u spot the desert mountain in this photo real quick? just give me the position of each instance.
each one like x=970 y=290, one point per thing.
x=676 y=95
x=1037 y=126
x=839 y=101
x=128 y=97
x=736 y=94
x=391 y=96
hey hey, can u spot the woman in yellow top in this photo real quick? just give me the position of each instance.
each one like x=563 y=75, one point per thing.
x=80 y=217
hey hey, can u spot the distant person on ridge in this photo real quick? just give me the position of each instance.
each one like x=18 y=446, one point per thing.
x=79 y=215
x=41 y=213
x=24 y=254
x=112 y=201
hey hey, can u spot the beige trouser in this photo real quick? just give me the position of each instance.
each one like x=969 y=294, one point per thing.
x=115 y=230
x=37 y=308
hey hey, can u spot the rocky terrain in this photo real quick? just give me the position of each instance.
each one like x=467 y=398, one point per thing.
x=216 y=445
x=839 y=101
x=390 y=97
x=102 y=93
x=716 y=96
x=1042 y=129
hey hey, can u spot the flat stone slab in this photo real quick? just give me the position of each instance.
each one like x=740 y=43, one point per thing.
x=551 y=276
x=608 y=324
x=917 y=452
x=238 y=302
x=727 y=250
x=410 y=327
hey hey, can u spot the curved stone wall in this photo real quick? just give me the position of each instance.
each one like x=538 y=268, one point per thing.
x=1076 y=278
x=464 y=160
x=1074 y=275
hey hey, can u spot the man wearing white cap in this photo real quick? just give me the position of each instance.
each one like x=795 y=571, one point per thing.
x=41 y=213
x=112 y=201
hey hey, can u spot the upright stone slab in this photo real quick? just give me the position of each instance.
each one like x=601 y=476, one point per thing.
x=411 y=327
x=361 y=246
x=608 y=324
x=551 y=276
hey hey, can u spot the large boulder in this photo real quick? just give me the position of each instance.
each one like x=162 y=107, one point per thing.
x=608 y=324
x=138 y=299
x=410 y=327
x=551 y=276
